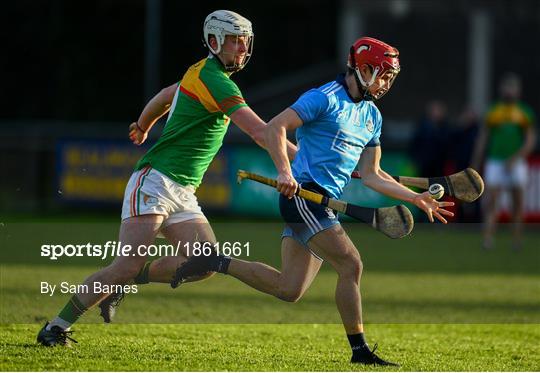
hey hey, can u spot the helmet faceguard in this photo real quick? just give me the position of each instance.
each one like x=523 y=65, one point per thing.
x=380 y=57
x=222 y=23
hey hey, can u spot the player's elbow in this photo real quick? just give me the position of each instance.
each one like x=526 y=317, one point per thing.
x=259 y=137
x=371 y=178
x=385 y=176
x=290 y=295
x=275 y=129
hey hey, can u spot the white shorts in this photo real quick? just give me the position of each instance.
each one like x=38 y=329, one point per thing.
x=497 y=175
x=148 y=191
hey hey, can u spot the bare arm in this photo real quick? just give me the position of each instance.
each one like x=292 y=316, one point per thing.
x=528 y=145
x=378 y=180
x=480 y=148
x=276 y=142
x=249 y=122
x=158 y=106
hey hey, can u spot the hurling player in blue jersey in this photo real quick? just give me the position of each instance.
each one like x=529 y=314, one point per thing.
x=337 y=128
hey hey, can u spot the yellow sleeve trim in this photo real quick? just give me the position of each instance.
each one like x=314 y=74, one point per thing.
x=193 y=84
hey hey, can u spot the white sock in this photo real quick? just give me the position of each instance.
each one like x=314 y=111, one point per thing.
x=61 y=323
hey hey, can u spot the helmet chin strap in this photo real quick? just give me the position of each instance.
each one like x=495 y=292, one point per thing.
x=362 y=86
x=360 y=83
x=356 y=73
x=234 y=67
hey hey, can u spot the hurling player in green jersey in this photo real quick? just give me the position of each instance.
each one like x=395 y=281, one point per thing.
x=159 y=197
x=507 y=138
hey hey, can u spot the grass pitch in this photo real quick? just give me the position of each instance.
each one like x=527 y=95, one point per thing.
x=263 y=347
x=433 y=301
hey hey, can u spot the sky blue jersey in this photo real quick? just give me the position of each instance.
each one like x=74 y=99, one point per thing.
x=334 y=133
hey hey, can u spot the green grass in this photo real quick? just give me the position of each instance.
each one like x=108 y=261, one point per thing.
x=433 y=301
x=262 y=347
x=388 y=298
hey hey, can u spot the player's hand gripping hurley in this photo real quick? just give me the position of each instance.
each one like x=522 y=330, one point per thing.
x=395 y=221
x=466 y=185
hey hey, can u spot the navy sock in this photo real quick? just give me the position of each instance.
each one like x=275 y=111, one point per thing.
x=357 y=342
x=142 y=277
x=220 y=263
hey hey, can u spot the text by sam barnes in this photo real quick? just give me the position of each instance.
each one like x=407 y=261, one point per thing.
x=95 y=288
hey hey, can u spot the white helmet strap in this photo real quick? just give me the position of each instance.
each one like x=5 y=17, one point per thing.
x=219 y=43
x=371 y=81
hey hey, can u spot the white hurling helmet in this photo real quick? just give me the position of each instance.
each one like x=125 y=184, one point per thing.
x=224 y=22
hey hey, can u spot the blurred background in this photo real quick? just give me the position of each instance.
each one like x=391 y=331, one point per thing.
x=75 y=75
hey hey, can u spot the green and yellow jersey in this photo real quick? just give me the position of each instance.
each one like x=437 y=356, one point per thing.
x=197 y=122
x=507 y=124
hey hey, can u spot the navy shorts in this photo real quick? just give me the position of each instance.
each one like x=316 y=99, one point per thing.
x=304 y=218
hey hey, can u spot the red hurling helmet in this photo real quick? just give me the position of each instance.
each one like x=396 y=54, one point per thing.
x=381 y=57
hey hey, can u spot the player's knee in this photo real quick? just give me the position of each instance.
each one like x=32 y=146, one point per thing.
x=292 y=295
x=355 y=270
x=351 y=269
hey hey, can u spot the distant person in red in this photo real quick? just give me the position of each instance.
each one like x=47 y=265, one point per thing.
x=506 y=139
